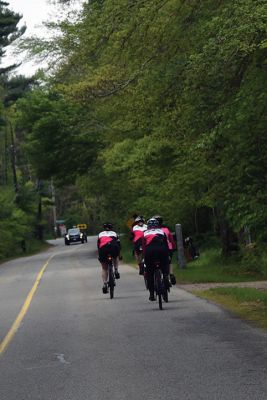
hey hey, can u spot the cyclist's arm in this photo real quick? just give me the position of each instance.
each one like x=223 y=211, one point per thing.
x=117 y=240
x=171 y=239
x=119 y=243
x=143 y=246
x=165 y=241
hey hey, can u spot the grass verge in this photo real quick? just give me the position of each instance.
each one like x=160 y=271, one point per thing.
x=248 y=303
x=210 y=267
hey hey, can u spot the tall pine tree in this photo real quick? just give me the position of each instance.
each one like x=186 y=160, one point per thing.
x=9 y=30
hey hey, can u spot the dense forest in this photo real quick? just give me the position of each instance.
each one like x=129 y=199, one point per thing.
x=150 y=107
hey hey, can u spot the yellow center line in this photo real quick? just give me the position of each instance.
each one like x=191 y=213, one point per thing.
x=4 y=344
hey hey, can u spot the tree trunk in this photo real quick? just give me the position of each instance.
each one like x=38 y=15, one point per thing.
x=13 y=160
x=225 y=232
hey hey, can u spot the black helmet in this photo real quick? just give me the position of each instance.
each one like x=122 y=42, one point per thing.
x=108 y=226
x=138 y=219
x=158 y=218
x=152 y=223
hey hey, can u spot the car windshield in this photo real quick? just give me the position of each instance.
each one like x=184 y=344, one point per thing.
x=73 y=231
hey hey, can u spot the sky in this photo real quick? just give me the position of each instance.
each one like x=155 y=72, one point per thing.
x=34 y=13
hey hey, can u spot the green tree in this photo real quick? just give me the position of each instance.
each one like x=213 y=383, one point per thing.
x=9 y=30
x=171 y=97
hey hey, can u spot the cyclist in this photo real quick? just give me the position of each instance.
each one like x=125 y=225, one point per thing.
x=137 y=235
x=108 y=243
x=155 y=248
x=171 y=245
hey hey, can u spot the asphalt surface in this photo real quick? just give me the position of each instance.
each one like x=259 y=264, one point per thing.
x=74 y=343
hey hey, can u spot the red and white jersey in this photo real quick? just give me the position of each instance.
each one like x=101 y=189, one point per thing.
x=154 y=236
x=138 y=232
x=170 y=240
x=106 y=237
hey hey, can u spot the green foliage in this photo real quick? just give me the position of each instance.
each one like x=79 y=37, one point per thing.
x=57 y=144
x=15 y=225
x=9 y=30
x=210 y=267
x=162 y=104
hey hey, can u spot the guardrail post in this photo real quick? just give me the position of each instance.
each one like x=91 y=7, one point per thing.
x=180 y=246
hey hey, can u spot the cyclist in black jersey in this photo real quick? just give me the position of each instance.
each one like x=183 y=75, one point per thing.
x=155 y=248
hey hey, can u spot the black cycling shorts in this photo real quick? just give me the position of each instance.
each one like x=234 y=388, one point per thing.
x=157 y=253
x=111 y=249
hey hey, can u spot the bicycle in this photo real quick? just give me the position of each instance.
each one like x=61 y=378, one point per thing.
x=111 y=276
x=161 y=288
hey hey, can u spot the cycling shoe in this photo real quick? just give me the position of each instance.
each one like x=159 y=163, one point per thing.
x=105 y=289
x=167 y=283
x=117 y=275
x=173 y=279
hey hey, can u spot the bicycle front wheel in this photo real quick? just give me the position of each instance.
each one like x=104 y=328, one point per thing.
x=111 y=292
x=145 y=277
x=165 y=294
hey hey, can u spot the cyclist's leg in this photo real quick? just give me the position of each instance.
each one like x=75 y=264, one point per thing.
x=165 y=265
x=104 y=272
x=138 y=254
x=115 y=254
x=141 y=263
x=149 y=261
x=172 y=276
x=150 y=281
x=104 y=265
x=105 y=277
x=116 y=266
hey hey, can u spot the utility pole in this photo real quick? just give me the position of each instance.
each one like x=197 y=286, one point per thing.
x=54 y=210
x=180 y=246
x=5 y=155
x=39 y=224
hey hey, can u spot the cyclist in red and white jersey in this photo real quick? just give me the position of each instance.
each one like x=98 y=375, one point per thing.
x=171 y=245
x=108 y=243
x=137 y=233
x=155 y=248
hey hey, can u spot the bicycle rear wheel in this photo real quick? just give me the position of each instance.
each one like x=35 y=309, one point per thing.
x=158 y=283
x=111 y=280
x=111 y=292
x=165 y=294
x=145 y=276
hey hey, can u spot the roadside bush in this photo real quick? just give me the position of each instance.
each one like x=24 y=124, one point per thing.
x=243 y=262
x=252 y=260
x=14 y=225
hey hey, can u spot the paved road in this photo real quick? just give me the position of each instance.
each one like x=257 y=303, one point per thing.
x=74 y=343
